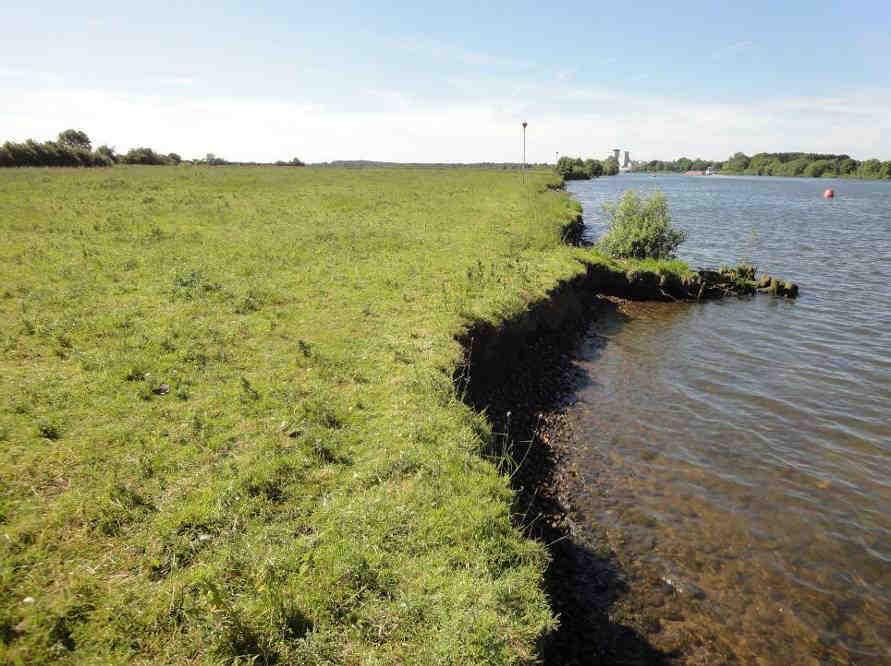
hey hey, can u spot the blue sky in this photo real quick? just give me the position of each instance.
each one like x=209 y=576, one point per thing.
x=452 y=81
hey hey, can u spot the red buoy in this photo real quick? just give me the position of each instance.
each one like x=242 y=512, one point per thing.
x=829 y=194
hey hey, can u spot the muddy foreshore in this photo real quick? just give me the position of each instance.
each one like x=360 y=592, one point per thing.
x=522 y=374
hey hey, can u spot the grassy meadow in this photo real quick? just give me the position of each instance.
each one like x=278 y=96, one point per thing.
x=228 y=428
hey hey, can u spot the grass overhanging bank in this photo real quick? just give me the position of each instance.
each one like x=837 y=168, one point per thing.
x=229 y=428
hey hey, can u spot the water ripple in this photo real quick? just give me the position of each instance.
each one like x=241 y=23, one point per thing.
x=750 y=440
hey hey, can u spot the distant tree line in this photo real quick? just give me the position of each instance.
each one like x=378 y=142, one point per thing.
x=810 y=165
x=575 y=168
x=73 y=148
x=680 y=165
x=807 y=165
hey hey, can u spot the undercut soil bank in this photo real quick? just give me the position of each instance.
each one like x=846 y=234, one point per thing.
x=522 y=375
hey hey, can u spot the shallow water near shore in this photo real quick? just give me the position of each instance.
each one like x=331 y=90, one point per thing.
x=737 y=454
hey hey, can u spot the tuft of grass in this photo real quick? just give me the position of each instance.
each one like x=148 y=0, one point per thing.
x=49 y=428
x=263 y=458
x=660 y=266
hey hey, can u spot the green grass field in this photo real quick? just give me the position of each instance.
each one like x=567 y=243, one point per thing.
x=228 y=429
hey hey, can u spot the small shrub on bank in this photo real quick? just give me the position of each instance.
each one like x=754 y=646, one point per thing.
x=641 y=228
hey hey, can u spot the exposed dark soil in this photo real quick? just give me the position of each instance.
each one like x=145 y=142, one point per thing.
x=522 y=374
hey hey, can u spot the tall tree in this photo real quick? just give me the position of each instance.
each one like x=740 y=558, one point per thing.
x=73 y=138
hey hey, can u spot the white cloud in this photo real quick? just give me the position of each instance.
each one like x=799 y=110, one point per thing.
x=483 y=125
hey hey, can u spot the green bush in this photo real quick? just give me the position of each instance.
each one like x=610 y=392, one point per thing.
x=808 y=165
x=594 y=167
x=610 y=166
x=575 y=168
x=641 y=228
x=144 y=155
x=819 y=168
x=71 y=150
x=107 y=154
x=75 y=139
x=74 y=149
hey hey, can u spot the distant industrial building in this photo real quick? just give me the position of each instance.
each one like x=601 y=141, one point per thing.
x=626 y=164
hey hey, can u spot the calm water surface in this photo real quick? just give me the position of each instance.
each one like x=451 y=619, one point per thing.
x=738 y=453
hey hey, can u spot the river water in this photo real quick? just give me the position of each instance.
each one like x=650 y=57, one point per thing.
x=737 y=454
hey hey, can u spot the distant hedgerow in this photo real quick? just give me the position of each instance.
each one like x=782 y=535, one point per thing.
x=73 y=148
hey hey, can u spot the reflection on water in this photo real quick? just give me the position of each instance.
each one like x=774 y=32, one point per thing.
x=738 y=452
